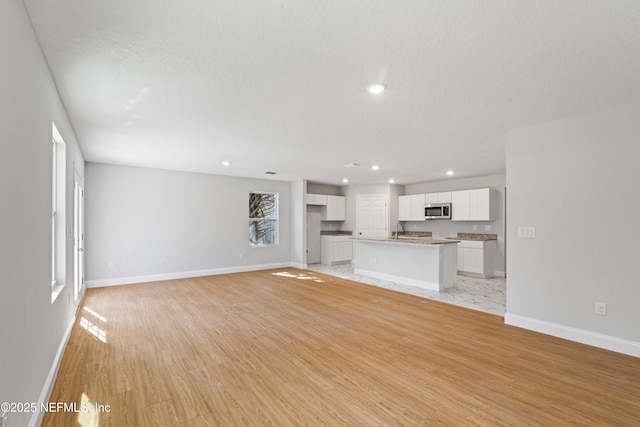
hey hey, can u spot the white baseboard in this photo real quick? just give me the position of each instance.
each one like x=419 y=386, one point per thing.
x=183 y=274
x=36 y=416
x=299 y=265
x=499 y=273
x=619 y=345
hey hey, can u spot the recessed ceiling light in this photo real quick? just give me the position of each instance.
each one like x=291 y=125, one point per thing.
x=375 y=167
x=449 y=172
x=226 y=163
x=345 y=180
x=391 y=181
x=376 y=88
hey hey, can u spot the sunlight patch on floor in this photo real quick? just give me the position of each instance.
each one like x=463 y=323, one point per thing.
x=88 y=417
x=300 y=276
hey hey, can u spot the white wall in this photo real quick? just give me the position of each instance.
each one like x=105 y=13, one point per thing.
x=317 y=188
x=351 y=192
x=443 y=228
x=576 y=182
x=156 y=224
x=33 y=329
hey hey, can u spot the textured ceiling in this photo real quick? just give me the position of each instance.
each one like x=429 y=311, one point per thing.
x=281 y=85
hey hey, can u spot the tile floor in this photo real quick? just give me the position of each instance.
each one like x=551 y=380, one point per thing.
x=486 y=295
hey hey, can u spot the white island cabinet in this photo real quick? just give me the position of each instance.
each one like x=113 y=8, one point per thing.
x=423 y=263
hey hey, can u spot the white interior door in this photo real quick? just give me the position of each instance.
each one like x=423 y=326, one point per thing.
x=372 y=214
x=78 y=236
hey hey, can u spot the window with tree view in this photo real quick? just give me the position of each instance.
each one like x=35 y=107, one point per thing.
x=263 y=219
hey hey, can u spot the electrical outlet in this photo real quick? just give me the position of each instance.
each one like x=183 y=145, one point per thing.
x=111 y=265
x=487 y=228
x=242 y=255
x=475 y=228
x=375 y=260
x=601 y=308
x=526 y=232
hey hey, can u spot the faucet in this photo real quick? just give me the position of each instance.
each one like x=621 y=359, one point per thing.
x=399 y=224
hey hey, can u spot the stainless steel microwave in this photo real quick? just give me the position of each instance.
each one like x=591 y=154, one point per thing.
x=437 y=211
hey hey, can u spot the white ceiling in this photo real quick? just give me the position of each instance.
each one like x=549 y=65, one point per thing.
x=281 y=85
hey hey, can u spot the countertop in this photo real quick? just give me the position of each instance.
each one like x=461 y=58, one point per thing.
x=410 y=240
x=474 y=236
x=336 y=233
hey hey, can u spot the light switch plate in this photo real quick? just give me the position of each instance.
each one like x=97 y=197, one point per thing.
x=526 y=232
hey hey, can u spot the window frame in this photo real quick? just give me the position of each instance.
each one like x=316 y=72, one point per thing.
x=273 y=218
x=58 y=213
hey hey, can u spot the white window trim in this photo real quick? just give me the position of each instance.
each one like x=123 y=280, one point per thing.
x=58 y=221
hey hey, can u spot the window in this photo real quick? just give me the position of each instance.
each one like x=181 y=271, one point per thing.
x=58 y=201
x=263 y=219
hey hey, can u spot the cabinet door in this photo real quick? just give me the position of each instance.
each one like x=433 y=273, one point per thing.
x=444 y=197
x=431 y=198
x=473 y=260
x=460 y=205
x=481 y=204
x=342 y=250
x=340 y=212
x=335 y=210
x=404 y=208
x=417 y=207
x=316 y=199
x=460 y=258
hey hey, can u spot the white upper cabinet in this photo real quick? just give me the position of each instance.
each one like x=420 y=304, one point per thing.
x=411 y=208
x=460 y=205
x=444 y=197
x=482 y=204
x=316 y=199
x=404 y=208
x=335 y=209
x=417 y=207
x=473 y=205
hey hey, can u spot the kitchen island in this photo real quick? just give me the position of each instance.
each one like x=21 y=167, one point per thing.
x=422 y=262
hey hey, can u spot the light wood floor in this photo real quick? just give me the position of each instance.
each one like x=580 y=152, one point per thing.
x=266 y=348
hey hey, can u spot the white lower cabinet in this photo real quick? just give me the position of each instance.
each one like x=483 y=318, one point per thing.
x=336 y=249
x=476 y=258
